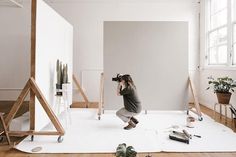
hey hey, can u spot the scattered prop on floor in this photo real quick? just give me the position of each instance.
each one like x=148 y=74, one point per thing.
x=190 y=122
x=36 y=149
x=179 y=136
x=122 y=151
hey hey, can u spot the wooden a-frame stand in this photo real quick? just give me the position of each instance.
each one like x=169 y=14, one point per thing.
x=32 y=86
x=195 y=103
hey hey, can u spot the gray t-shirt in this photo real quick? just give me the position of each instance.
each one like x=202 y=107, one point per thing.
x=131 y=100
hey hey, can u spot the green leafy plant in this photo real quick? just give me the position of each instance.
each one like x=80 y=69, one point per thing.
x=222 y=84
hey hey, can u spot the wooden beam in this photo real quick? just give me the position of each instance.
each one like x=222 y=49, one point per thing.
x=101 y=96
x=46 y=107
x=32 y=61
x=17 y=104
x=194 y=93
x=80 y=90
x=24 y=133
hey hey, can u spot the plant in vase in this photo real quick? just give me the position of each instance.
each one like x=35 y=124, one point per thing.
x=62 y=76
x=222 y=86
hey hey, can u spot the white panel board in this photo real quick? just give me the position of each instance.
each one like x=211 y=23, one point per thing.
x=156 y=56
x=54 y=40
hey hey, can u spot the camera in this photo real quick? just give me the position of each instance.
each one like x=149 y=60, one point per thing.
x=117 y=78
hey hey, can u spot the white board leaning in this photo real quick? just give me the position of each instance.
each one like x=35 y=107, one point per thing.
x=54 y=40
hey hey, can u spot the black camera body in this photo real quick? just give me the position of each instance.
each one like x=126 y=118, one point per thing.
x=117 y=78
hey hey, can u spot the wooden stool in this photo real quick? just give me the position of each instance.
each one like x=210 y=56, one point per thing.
x=225 y=106
x=4 y=128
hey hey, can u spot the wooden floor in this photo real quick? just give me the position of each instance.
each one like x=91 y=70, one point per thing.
x=6 y=152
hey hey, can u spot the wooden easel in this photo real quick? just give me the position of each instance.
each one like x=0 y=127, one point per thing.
x=195 y=98
x=101 y=97
x=31 y=86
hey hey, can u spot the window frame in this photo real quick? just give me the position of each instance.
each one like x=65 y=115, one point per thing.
x=231 y=42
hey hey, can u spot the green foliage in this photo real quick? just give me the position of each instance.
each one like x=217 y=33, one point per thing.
x=222 y=84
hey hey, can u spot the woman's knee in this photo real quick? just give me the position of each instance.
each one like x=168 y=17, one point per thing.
x=118 y=113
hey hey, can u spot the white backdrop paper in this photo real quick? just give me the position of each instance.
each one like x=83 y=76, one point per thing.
x=54 y=40
x=156 y=56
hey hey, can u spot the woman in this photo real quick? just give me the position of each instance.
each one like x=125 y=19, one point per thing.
x=132 y=104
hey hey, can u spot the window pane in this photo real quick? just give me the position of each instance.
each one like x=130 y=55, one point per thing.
x=234 y=50
x=219 y=19
x=234 y=9
x=217 y=5
x=212 y=56
x=222 y=35
x=222 y=54
x=213 y=38
x=234 y=32
x=218 y=37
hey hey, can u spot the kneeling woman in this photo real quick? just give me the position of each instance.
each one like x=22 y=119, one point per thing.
x=132 y=104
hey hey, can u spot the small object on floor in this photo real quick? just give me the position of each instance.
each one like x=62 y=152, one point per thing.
x=190 y=122
x=148 y=155
x=187 y=134
x=197 y=136
x=130 y=152
x=121 y=150
x=179 y=136
x=36 y=149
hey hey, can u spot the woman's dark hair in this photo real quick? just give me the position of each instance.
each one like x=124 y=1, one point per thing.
x=128 y=80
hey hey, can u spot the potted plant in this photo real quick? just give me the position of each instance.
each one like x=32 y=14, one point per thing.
x=222 y=86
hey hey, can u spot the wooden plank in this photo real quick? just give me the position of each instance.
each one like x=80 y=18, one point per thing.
x=17 y=104
x=80 y=89
x=194 y=93
x=84 y=105
x=46 y=107
x=5 y=129
x=101 y=97
x=32 y=61
x=25 y=133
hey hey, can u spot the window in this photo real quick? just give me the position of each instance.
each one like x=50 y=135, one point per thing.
x=221 y=34
x=234 y=31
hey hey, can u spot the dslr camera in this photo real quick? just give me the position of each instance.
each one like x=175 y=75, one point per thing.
x=117 y=78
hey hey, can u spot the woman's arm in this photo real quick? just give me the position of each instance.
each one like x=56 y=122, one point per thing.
x=118 y=88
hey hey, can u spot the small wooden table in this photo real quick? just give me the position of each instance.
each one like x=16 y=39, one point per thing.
x=4 y=128
x=225 y=106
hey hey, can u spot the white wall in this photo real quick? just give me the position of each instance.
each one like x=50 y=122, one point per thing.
x=87 y=18
x=14 y=50
x=54 y=40
x=145 y=50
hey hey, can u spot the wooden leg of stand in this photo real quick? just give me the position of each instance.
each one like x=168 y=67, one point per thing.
x=5 y=129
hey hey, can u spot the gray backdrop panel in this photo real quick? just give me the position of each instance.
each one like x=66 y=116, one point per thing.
x=156 y=56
